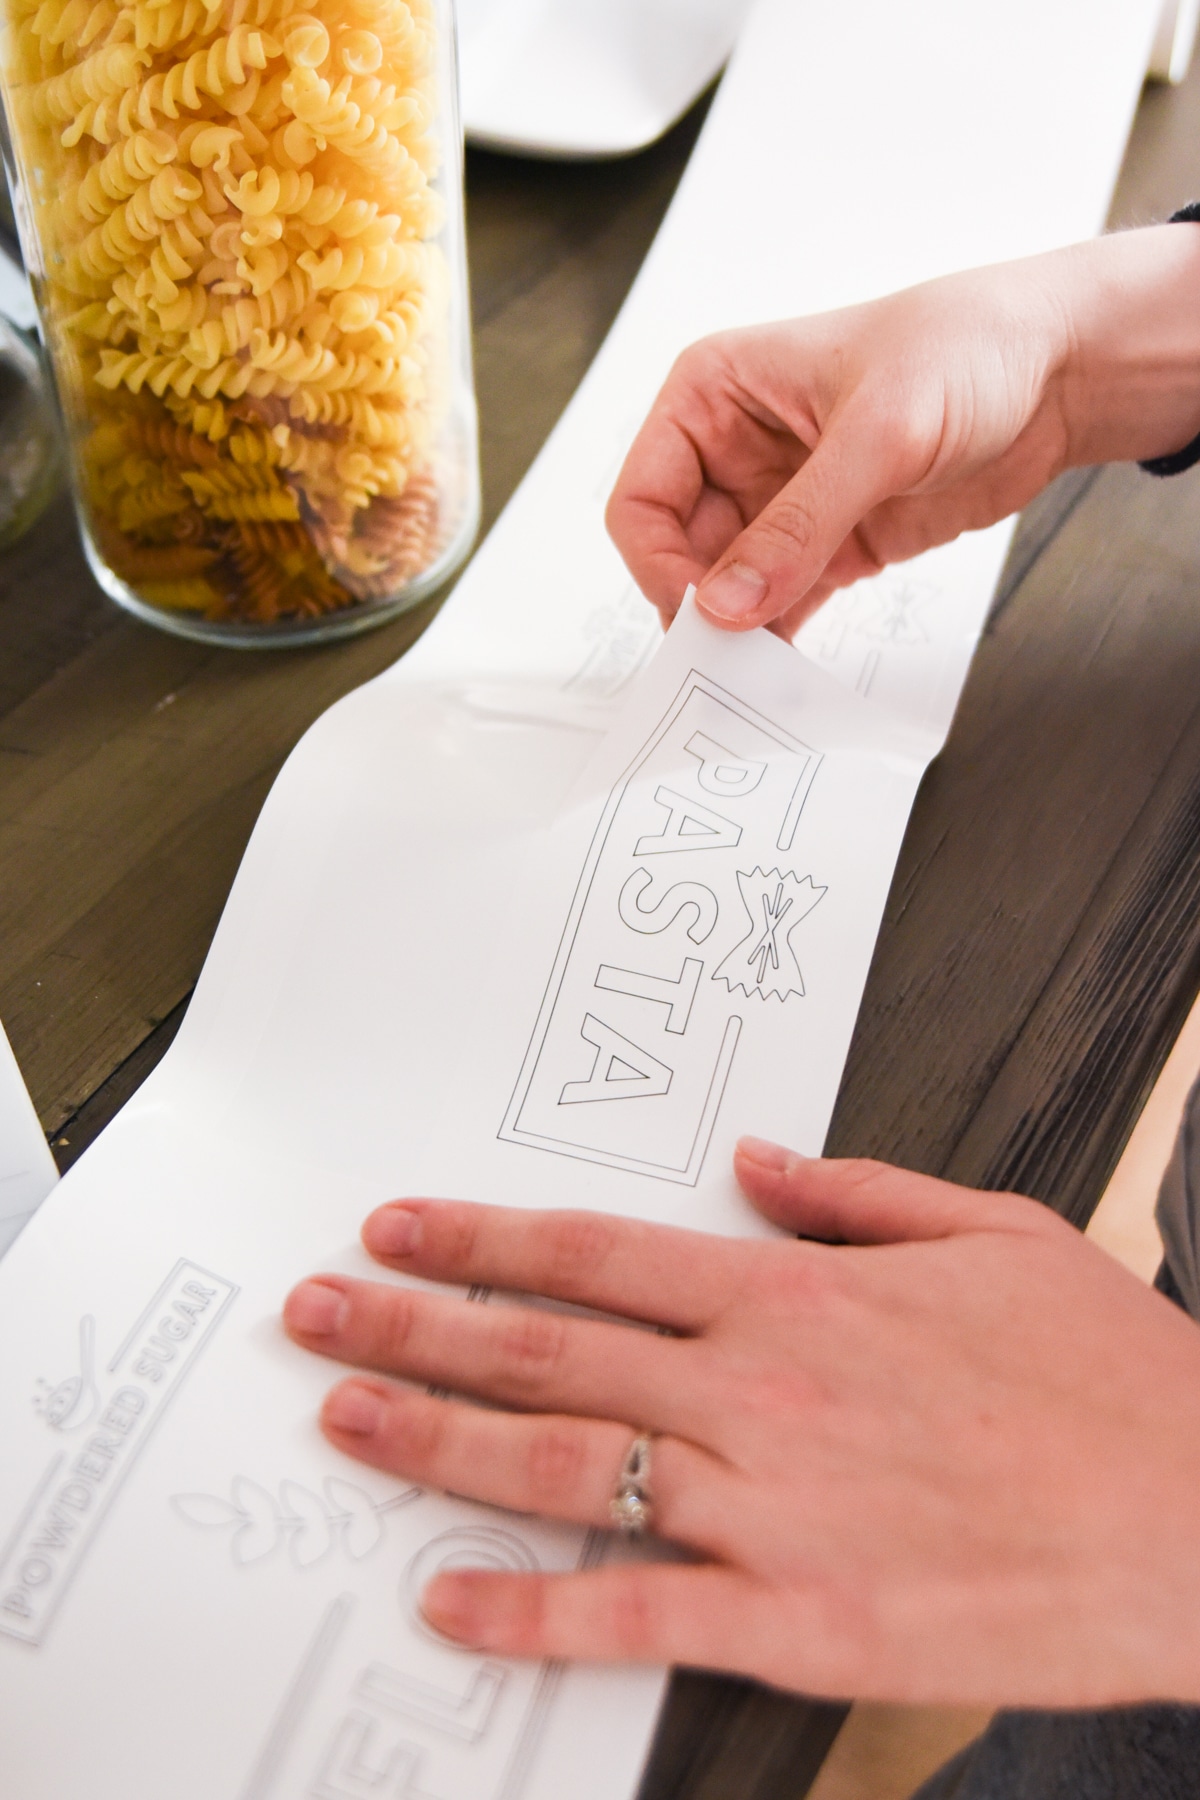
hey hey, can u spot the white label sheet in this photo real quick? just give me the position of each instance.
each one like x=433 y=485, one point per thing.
x=165 y=1492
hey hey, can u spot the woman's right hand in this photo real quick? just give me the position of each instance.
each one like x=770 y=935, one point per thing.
x=940 y=1450
x=781 y=462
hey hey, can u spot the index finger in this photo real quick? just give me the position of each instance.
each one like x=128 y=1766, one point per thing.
x=654 y=1273
x=656 y=491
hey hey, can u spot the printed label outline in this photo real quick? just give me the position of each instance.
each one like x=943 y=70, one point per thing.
x=35 y=1637
x=306 y=1678
x=511 y=1130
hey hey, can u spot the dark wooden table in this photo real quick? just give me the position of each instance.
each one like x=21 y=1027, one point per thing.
x=1042 y=941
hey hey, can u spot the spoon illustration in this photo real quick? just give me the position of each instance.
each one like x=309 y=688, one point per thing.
x=73 y=1402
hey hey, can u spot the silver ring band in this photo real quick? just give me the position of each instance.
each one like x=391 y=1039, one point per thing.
x=630 y=1508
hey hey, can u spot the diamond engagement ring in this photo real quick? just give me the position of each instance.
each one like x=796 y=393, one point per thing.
x=630 y=1508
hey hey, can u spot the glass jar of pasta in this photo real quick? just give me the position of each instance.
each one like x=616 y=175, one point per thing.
x=243 y=222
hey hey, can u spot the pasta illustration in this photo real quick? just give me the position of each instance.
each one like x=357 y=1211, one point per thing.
x=237 y=217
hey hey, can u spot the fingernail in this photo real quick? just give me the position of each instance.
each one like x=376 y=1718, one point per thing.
x=392 y=1231
x=317 y=1309
x=354 y=1408
x=733 y=592
x=764 y=1153
x=447 y=1604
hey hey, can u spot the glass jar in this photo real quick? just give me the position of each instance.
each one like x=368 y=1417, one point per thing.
x=243 y=222
x=29 y=464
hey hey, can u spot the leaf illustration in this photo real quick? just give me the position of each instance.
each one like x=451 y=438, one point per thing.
x=346 y=1498
x=205 y=1510
x=362 y=1527
x=262 y=1527
x=299 y=1502
x=255 y=1539
x=312 y=1524
x=254 y=1501
x=313 y=1534
x=310 y=1542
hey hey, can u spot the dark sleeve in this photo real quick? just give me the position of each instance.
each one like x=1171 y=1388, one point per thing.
x=1178 y=460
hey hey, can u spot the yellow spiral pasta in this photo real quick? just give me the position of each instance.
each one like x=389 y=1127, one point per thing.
x=246 y=300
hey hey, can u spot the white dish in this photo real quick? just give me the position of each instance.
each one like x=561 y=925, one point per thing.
x=587 y=78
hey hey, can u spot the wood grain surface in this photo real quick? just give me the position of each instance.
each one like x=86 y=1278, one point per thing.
x=1042 y=940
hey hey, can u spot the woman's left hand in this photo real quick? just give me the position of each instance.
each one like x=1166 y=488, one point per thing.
x=951 y=1453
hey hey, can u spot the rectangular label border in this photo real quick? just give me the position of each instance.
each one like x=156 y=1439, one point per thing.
x=35 y=1640
x=510 y=1129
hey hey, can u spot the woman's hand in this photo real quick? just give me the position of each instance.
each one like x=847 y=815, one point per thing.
x=950 y=1453
x=782 y=462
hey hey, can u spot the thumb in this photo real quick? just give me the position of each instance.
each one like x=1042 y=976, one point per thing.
x=770 y=566
x=856 y=1201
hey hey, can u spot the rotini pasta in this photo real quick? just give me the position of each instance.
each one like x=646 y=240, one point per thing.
x=244 y=292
